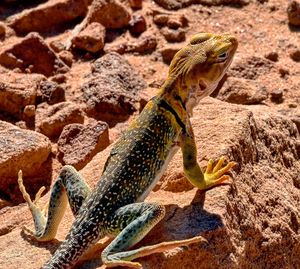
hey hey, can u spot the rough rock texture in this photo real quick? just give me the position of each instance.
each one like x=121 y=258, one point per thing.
x=51 y=120
x=110 y=13
x=252 y=223
x=177 y=4
x=242 y=91
x=168 y=52
x=91 y=38
x=50 y=92
x=145 y=44
x=18 y=91
x=137 y=24
x=110 y=92
x=48 y=15
x=293 y=12
x=31 y=54
x=250 y=67
x=20 y=149
x=78 y=143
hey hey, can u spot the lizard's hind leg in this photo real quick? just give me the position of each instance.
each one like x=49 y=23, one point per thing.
x=133 y=222
x=69 y=186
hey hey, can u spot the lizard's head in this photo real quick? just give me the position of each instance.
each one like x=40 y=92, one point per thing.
x=198 y=67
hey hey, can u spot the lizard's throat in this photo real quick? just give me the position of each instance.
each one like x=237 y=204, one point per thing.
x=196 y=93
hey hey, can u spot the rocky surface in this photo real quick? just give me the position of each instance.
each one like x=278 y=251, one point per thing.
x=49 y=86
x=51 y=120
x=110 y=92
x=91 y=38
x=20 y=150
x=242 y=91
x=78 y=143
x=17 y=91
x=32 y=55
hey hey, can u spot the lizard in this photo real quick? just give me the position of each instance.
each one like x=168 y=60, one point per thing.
x=116 y=207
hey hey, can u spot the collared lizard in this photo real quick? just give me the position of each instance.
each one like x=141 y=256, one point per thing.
x=136 y=162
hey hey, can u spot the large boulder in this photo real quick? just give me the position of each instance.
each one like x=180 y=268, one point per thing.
x=48 y=15
x=21 y=150
x=110 y=92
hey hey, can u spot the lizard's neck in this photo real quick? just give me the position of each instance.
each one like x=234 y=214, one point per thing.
x=176 y=98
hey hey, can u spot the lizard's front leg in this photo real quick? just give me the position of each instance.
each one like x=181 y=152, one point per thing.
x=69 y=186
x=131 y=223
x=213 y=175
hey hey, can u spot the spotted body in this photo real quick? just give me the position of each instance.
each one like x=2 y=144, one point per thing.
x=136 y=162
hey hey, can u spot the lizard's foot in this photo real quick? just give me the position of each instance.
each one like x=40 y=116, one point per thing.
x=215 y=175
x=38 y=214
x=129 y=264
x=31 y=204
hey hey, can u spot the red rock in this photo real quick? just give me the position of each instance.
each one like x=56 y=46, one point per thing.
x=250 y=67
x=242 y=91
x=21 y=149
x=2 y=30
x=173 y=35
x=295 y=54
x=78 y=143
x=31 y=51
x=293 y=11
x=137 y=24
x=17 y=91
x=110 y=90
x=169 y=51
x=177 y=4
x=51 y=120
x=136 y=4
x=66 y=57
x=110 y=13
x=91 y=38
x=50 y=92
x=48 y=15
x=146 y=43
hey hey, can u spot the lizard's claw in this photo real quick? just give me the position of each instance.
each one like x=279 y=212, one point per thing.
x=215 y=175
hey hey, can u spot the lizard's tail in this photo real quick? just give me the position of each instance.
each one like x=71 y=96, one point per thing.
x=75 y=246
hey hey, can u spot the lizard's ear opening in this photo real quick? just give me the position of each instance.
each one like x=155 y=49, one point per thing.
x=199 y=38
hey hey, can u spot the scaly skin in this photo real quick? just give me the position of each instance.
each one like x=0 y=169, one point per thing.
x=115 y=207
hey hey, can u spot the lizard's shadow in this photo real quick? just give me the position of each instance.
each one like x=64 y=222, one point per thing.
x=179 y=223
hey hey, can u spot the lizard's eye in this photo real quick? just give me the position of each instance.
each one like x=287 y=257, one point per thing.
x=222 y=57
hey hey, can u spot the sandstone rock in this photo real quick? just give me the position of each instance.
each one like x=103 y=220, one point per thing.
x=2 y=30
x=51 y=120
x=272 y=56
x=91 y=38
x=20 y=149
x=250 y=67
x=295 y=55
x=66 y=57
x=56 y=45
x=137 y=24
x=242 y=91
x=59 y=78
x=77 y=143
x=168 y=52
x=17 y=91
x=173 y=21
x=50 y=92
x=31 y=52
x=110 y=92
x=110 y=13
x=277 y=96
x=177 y=4
x=146 y=43
x=293 y=11
x=48 y=15
x=252 y=223
x=173 y=35
x=136 y=4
